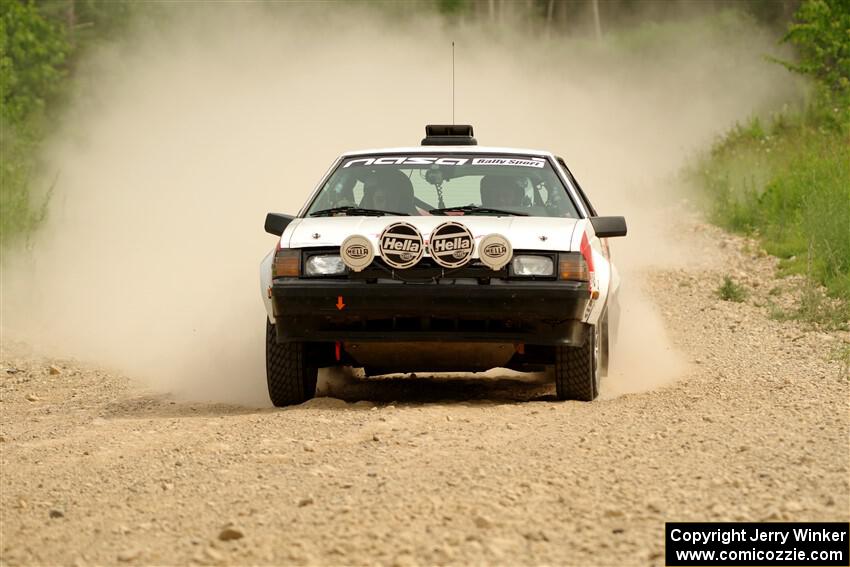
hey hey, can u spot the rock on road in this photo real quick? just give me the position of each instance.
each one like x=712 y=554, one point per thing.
x=433 y=472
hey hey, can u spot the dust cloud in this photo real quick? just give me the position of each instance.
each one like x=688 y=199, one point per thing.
x=184 y=134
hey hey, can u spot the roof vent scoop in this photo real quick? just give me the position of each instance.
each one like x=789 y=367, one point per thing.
x=449 y=135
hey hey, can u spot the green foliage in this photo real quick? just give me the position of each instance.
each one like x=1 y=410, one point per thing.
x=821 y=33
x=841 y=353
x=39 y=43
x=88 y=22
x=789 y=182
x=828 y=312
x=815 y=307
x=453 y=7
x=19 y=145
x=729 y=290
x=790 y=186
x=33 y=52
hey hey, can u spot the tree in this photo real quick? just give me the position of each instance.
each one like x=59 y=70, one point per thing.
x=597 y=24
x=821 y=32
x=32 y=59
x=32 y=55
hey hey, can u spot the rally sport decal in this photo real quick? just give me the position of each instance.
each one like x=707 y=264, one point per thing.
x=401 y=245
x=451 y=245
x=429 y=160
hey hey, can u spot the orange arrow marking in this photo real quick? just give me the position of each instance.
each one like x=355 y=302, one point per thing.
x=339 y=303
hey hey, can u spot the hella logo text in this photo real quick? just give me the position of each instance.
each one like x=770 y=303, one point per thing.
x=449 y=244
x=495 y=250
x=399 y=244
x=357 y=251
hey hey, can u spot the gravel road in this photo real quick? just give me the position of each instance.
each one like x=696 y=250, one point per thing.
x=433 y=472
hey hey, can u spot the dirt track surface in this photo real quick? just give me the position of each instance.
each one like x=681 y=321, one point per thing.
x=425 y=472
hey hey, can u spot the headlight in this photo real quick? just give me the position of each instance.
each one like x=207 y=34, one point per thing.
x=324 y=265
x=532 y=266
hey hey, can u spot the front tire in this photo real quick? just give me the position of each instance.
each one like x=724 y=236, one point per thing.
x=291 y=379
x=577 y=369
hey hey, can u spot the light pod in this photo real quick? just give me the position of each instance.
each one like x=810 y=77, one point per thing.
x=357 y=252
x=495 y=251
x=401 y=245
x=451 y=245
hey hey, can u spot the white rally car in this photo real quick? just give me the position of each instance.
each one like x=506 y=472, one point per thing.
x=443 y=257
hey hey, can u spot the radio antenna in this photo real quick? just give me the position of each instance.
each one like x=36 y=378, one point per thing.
x=453 y=82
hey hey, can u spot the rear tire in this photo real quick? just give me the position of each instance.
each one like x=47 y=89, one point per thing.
x=291 y=379
x=604 y=347
x=577 y=369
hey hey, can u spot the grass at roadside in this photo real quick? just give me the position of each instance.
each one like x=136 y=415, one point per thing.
x=731 y=291
x=788 y=184
x=20 y=212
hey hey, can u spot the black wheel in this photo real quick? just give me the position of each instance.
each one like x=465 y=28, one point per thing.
x=291 y=379
x=577 y=369
x=604 y=347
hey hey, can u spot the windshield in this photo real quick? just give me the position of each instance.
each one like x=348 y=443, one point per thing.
x=456 y=184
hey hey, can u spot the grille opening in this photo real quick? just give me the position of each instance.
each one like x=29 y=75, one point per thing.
x=407 y=324
x=425 y=325
x=443 y=325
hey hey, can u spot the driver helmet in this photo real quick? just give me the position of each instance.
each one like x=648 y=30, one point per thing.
x=501 y=191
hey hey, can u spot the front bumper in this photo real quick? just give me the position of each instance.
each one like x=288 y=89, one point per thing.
x=534 y=312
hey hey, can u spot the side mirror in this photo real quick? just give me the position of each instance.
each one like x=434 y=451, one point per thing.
x=276 y=223
x=607 y=227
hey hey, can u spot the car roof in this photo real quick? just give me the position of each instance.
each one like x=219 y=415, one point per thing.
x=451 y=150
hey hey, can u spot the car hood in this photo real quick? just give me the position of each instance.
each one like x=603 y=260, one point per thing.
x=524 y=233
